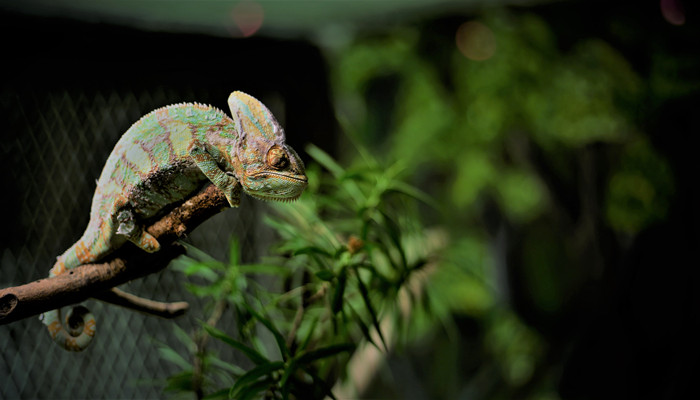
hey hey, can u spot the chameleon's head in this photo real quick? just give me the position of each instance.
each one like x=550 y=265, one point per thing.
x=267 y=168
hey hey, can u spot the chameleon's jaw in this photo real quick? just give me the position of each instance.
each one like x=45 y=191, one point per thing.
x=279 y=199
x=275 y=186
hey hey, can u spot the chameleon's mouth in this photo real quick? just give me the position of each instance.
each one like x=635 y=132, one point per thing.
x=287 y=177
x=280 y=199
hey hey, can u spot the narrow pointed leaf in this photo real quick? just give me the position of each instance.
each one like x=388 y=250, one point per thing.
x=221 y=394
x=324 y=352
x=228 y=368
x=234 y=254
x=325 y=275
x=183 y=337
x=320 y=383
x=252 y=391
x=394 y=232
x=365 y=330
x=281 y=342
x=309 y=334
x=198 y=254
x=411 y=191
x=325 y=160
x=312 y=250
x=251 y=353
x=181 y=382
x=288 y=372
x=174 y=357
x=337 y=303
x=203 y=270
x=253 y=375
x=370 y=308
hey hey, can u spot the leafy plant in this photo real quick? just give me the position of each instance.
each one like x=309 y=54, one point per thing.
x=349 y=251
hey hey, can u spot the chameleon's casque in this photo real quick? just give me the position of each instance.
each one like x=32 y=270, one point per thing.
x=165 y=158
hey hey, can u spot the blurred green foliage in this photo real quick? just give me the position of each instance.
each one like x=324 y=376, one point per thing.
x=475 y=125
x=535 y=143
x=551 y=136
x=349 y=249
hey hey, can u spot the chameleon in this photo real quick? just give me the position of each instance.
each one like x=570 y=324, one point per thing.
x=161 y=160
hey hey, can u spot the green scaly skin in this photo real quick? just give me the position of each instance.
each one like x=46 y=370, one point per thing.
x=166 y=157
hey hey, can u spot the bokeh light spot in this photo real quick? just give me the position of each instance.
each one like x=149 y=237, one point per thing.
x=673 y=12
x=248 y=17
x=476 y=41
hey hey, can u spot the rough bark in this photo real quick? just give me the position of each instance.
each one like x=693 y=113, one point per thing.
x=125 y=264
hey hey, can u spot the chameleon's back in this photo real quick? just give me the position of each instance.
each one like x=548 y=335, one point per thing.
x=152 y=154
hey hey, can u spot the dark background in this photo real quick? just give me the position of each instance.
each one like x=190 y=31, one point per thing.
x=624 y=323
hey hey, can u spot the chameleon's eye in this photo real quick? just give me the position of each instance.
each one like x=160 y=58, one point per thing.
x=277 y=158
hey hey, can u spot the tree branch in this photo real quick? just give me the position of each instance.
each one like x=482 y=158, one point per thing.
x=126 y=264
x=148 y=306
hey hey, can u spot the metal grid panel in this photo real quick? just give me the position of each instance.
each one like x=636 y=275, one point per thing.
x=52 y=154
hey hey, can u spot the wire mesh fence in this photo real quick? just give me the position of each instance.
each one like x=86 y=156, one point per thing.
x=53 y=150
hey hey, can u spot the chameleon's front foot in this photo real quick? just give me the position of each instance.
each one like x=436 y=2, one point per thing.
x=134 y=232
x=225 y=180
x=232 y=191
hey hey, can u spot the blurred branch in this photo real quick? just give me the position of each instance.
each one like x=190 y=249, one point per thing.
x=148 y=306
x=126 y=264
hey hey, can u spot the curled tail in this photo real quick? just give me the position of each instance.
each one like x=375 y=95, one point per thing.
x=78 y=332
x=80 y=324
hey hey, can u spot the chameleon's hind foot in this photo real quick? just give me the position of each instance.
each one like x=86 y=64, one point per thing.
x=146 y=242
x=58 y=269
x=134 y=232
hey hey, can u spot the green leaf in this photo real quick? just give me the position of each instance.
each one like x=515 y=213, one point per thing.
x=411 y=191
x=324 y=352
x=309 y=334
x=183 y=337
x=181 y=382
x=394 y=232
x=325 y=160
x=201 y=269
x=363 y=327
x=279 y=338
x=203 y=291
x=312 y=250
x=251 y=353
x=234 y=254
x=325 y=275
x=171 y=355
x=320 y=383
x=288 y=372
x=221 y=394
x=252 y=376
x=231 y=369
x=253 y=390
x=370 y=308
x=199 y=254
x=337 y=303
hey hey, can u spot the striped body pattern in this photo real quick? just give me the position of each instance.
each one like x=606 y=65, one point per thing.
x=165 y=158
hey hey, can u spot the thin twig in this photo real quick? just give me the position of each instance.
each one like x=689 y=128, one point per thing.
x=148 y=306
